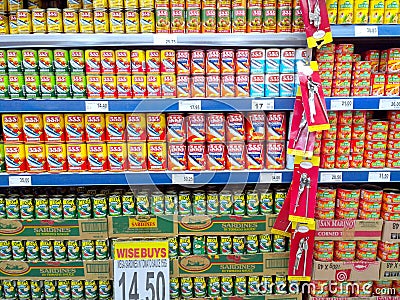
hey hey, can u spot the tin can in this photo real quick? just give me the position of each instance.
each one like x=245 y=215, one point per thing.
x=184 y=203
x=173 y=247
x=157 y=156
x=212 y=245
x=153 y=61
x=132 y=21
x=147 y=21
x=198 y=62
x=139 y=86
x=252 y=203
x=14 y=60
x=153 y=86
x=4 y=22
x=137 y=156
x=213 y=62
x=55 y=208
x=143 y=203
x=26 y=208
x=193 y=19
x=174 y=288
x=228 y=60
x=196 y=128
x=213 y=86
x=255 y=156
x=225 y=245
x=124 y=86
x=225 y=203
x=30 y=60
x=60 y=251
x=196 y=157
x=94 y=87
x=42 y=207
x=199 y=202
x=226 y=286
x=4 y=84
x=255 y=126
x=84 y=206
x=63 y=85
x=32 y=250
x=239 y=203
x=213 y=203
x=18 y=250
x=95 y=127
x=215 y=127
x=100 y=206
x=69 y=207
x=46 y=250
x=32 y=86
x=64 y=289
x=54 y=128
x=276 y=126
x=183 y=62
x=251 y=244
x=12 y=128
x=253 y=285
x=109 y=86
x=236 y=156
x=198 y=87
x=199 y=286
x=115 y=127
x=16 y=82
x=136 y=127
x=235 y=127
x=114 y=205
x=86 y=21
x=254 y=19
x=15 y=158
x=33 y=128
x=46 y=58
x=77 y=290
x=54 y=20
x=157 y=203
x=156 y=127
x=5 y=250
x=91 y=289
x=257 y=61
x=70 y=20
x=213 y=287
x=187 y=287
x=216 y=156
x=176 y=128
x=171 y=203
x=24 y=21
x=74 y=127
x=227 y=86
x=128 y=204
x=185 y=246
x=266 y=285
x=92 y=61
x=279 y=243
x=117 y=20
x=117 y=156
x=265 y=243
x=88 y=250
x=107 y=62
x=276 y=157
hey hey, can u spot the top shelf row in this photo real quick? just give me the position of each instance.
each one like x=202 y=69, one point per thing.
x=210 y=39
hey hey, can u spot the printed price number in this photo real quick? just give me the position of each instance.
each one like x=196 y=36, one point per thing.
x=331 y=177
x=389 y=104
x=366 y=31
x=271 y=178
x=182 y=179
x=342 y=104
x=155 y=285
x=19 y=181
x=165 y=39
x=96 y=106
x=192 y=105
x=262 y=104
x=378 y=176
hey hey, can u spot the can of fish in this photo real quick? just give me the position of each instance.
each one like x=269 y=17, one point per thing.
x=265 y=243
x=15 y=158
x=183 y=62
x=276 y=157
x=54 y=20
x=12 y=128
x=32 y=250
x=236 y=156
x=255 y=126
x=70 y=20
x=137 y=156
x=279 y=243
x=157 y=156
x=24 y=21
x=198 y=62
x=32 y=125
x=54 y=129
x=60 y=251
x=196 y=157
x=26 y=208
x=185 y=246
x=95 y=127
x=227 y=86
x=18 y=250
x=213 y=287
x=199 y=202
x=75 y=127
x=143 y=203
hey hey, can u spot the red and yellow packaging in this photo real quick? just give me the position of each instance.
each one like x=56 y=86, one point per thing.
x=196 y=153
x=196 y=132
x=95 y=127
x=137 y=156
x=94 y=87
x=32 y=125
x=139 y=86
x=138 y=62
x=15 y=158
x=235 y=127
x=276 y=155
x=56 y=155
x=183 y=62
x=54 y=129
x=101 y=20
x=177 y=159
x=157 y=156
x=136 y=129
x=176 y=128
x=115 y=127
x=255 y=126
x=107 y=62
x=215 y=128
x=153 y=61
x=156 y=127
x=77 y=157
x=109 y=86
x=123 y=61
x=168 y=61
x=117 y=157
x=213 y=62
x=236 y=156
x=168 y=85
x=198 y=62
x=74 y=128
x=12 y=128
x=213 y=86
x=227 y=86
x=124 y=86
x=198 y=86
x=255 y=156
x=183 y=86
x=216 y=156
x=92 y=61
x=97 y=157
x=153 y=86
x=35 y=158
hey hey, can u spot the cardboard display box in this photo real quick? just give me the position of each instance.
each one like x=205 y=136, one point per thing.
x=231 y=265
x=225 y=225
x=340 y=230
x=142 y=226
x=348 y=271
x=390 y=270
x=391 y=232
x=90 y=229
x=42 y=270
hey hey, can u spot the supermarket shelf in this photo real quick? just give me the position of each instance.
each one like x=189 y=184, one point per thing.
x=121 y=40
x=201 y=178
x=172 y=104
x=369 y=31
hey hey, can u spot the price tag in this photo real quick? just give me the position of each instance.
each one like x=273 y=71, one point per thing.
x=271 y=178
x=189 y=105
x=182 y=179
x=141 y=270
x=331 y=177
x=19 y=181
x=389 y=104
x=367 y=31
x=165 y=39
x=96 y=106
x=378 y=176
x=342 y=104
x=263 y=104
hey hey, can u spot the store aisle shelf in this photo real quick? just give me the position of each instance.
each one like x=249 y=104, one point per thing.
x=371 y=31
x=125 y=40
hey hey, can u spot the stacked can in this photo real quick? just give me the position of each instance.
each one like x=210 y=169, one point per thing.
x=370 y=202
x=347 y=202
x=376 y=134
x=391 y=205
x=366 y=250
x=343 y=139
x=393 y=146
x=323 y=250
x=388 y=251
x=325 y=203
x=344 y=251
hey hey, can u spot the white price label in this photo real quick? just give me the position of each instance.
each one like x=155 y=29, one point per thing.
x=96 y=106
x=141 y=270
x=19 y=181
x=182 y=179
x=342 y=104
x=262 y=104
x=378 y=176
x=165 y=39
x=189 y=105
x=369 y=30
x=331 y=177
x=388 y=104
x=271 y=178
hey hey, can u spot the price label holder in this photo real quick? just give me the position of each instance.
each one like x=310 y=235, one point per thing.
x=271 y=178
x=331 y=177
x=189 y=105
x=342 y=104
x=389 y=104
x=366 y=31
x=96 y=106
x=141 y=270
x=20 y=181
x=182 y=178
x=165 y=39
x=263 y=104
x=378 y=176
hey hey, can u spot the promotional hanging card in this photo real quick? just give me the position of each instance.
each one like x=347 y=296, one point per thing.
x=282 y=225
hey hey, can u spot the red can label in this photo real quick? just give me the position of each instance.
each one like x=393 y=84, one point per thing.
x=236 y=156
x=242 y=61
x=183 y=62
x=157 y=156
x=275 y=155
x=235 y=127
x=12 y=128
x=183 y=86
x=138 y=62
x=33 y=128
x=196 y=155
x=227 y=61
x=15 y=158
x=227 y=86
x=154 y=86
x=276 y=126
x=77 y=157
x=115 y=127
x=176 y=128
x=216 y=156
x=136 y=127
x=213 y=62
x=156 y=127
x=56 y=158
x=153 y=61
x=177 y=160
x=54 y=128
x=255 y=126
x=255 y=156
x=242 y=87
x=75 y=127
x=213 y=86
x=137 y=156
x=97 y=157
x=35 y=158
x=196 y=128
x=215 y=128
x=95 y=127
x=198 y=62
x=198 y=86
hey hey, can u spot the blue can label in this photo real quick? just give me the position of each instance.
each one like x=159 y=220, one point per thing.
x=257 y=61
x=287 y=60
x=272 y=60
x=272 y=85
x=286 y=87
x=257 y=85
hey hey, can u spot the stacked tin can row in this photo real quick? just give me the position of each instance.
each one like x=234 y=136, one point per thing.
x=345 y=250
x=125 y=74
x=200 y=287
x=56 y=289
x=363 y=12
x=345 y=73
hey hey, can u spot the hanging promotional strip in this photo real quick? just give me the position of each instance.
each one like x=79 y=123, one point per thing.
x=316 y=22
x=282 y=225
x=301 y=252
x=313 y=97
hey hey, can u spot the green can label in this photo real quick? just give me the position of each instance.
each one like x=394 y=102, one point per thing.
x=3 y=61
x=69 y=208
x=84 y=207
x=200 y=287
x=88 y=250
x=14 y=60
x=251 y=244
x=238 y=243
x=46 y=250
x=60 y=251
x=100 y=206
x=24 y=290
x=199 y=245
x=61 y=60
x=12 y=208
x=157 y=204
x=32 y=250
x=143 y=204
x=265 y=243
x=269 y=19
x=227 y=286
x=114 y=205
x=10 y=289
x=199 y=203
x=187 y=287
x=185 y=204
x=77 y=290
x=239 y=204
x=16 y=85
x=225 y=246
x=50 y=290
x=212 y=203
x=105 y=290
x=212 y=245
x=252 y=203
x=174 y=288
x=77 y=60
x=4 y=83
x=171 y=203
x=47 y=85
x=253 y=285
x=63 y=85
x=225 y=203
x=185 y=246
x=240 y=287
x=73 y=250
x=101 y=249
x=64 y=289
x=27 y=209
x=279 y=243
x=266 y=203
x=2 y=200
x=18 y=250
x=163 y=20
x=209 y=20
x=30 y=60
x=46 y=59
x=213 y=287
x=32 y=85
x=42 y=208
x=36 y=289
x=91 y=289
x=173 y=247
x=55 y=208
x=128 y=204
x=78 y=85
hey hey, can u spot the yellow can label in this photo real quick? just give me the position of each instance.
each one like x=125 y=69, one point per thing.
x=24 y=21
x=56 y=155
x=75 y=4
x=345 y=11
x=15 y=158
x=376 y=11
x=100 y=4
x=117 y=24
x=147 y=24
x=131 y=21
x=100 y=20
x=332 y=7
x=117 y=156
x=76 y=157
x=86 y=21
x=361 y=8
x=54 y=128
x=131 y=3
x=71 y=21
x=12 y=19
x=116 y=4
x=95 y=127
x=36 y=161
x=54 y=20
x=97 y=157
x=33 y=127
x=4 y=29
x=392 y=11
x=12 y=128
x=115 y=127
x=39 y=21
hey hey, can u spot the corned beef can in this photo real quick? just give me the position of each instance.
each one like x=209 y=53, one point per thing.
x=276 y=126
x=168 y=61
x=331 y=133
x=183 y=62
x=136 y=127
x=213 y=86
x=176 y=128
x=255 y=126
x=242 y=86
x=198 y=86
x=215 y=127
x=276 y=155
x=117 y=157
x=177 y=159
x=228 y=62
x=97 y=157
x=198 y=62
x=236 y=156
x=196 y=156
x=216 y=156
x=157 y=156
x=213 y=62
x=343 y=147
x=255 y=156
x=342 y=161
x=227 y=86
x=183 y=86
x=235 y=127
x=137 y=156
x=196 y=132
x=242 y=63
